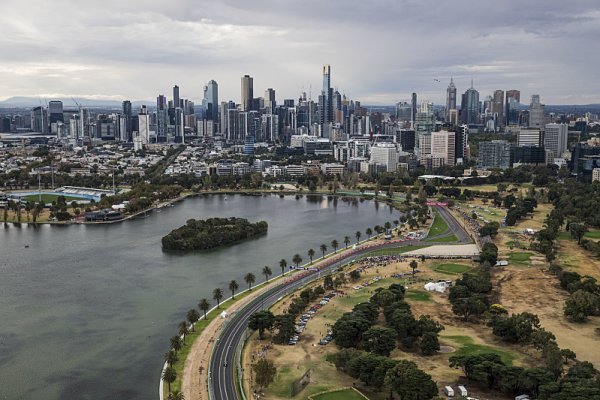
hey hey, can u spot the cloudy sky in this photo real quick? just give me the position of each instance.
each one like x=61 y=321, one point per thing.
x=379 y=50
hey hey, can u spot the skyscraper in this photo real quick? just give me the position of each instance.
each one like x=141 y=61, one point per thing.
x=498 y=105
x=176 y=101
x=513 y=100
x=414 y=109
x=443 y=146
x=247 y=92
x=536 y=112
x=144 y=126
x=270 y=102
x=210 y=102
x=55 y=111
x=450 y=98
x=161 y=119
x=127 y=114
x=470 y=106
x=513 y=94
x=555 y=139
x=326 y=102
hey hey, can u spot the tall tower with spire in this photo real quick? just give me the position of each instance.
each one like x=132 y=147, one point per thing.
x=450 y=98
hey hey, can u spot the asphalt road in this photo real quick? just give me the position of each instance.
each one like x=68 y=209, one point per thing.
x=222 y=380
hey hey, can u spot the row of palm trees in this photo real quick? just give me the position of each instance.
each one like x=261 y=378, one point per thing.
x=177 y=342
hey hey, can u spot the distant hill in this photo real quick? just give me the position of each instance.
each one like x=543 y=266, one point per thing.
x=26 y=102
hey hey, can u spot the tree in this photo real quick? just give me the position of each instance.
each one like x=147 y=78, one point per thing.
x=233 y=286
x=218 y=296
x=357 y=235
x=334 y=244
x=261 y=321
x=169 y=375
x=282 y=265
x=171 y=357
x=489 y=253
x=183 y=330
x=413 y=265
x=577 y=231
x=176 y=395
x=323 y=248
x=266 y=271
x=429 y=343
x=369 y=232
x=204 y=305
x=387 y=225
x=311 y=254
x=265 y=372
x=192 y=317
x=176 y=343
x=379 y=340
x=250 y=279
x=354 y=275
x=410 y=382
x=349 y=328
x=297 y=259
x=346 y=240
x=328 y=282
x=580 y=305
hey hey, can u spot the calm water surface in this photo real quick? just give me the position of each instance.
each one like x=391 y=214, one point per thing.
x=86 y=312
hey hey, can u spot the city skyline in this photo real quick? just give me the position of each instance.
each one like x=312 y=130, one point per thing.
x=145 y=48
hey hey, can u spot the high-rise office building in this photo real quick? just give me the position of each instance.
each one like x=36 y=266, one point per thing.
x=39 y=120
x=210 y=101
x=176 y=100
x=450 y=99
x=529 y=137
x=536 y=112
x=470 y=106
x=414 y=109
x=144 y=126
x=161 y=119
x=494 y=154
x=270 y=102
x=385 y=154
x=461 y=144
x=326 y=98
x=443 y=146
x=513 y=94
x=424 y=125
x=513 y=101
x=555 y=139
x=127 y=114
x=498 y=105
x=55 y=111
x=247 y=93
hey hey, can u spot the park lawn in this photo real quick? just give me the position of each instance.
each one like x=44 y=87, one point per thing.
x=564 y=235
x=344 y=394
x=446 y=239
x=520 y=257
x=418 y=296
x=593 y=234
x=438 y=227
x=468 y=347
x=451 y=269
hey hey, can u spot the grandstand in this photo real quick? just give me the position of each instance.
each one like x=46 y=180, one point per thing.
x=88 y=193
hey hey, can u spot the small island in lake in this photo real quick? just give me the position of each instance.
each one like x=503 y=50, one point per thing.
x=211 y=233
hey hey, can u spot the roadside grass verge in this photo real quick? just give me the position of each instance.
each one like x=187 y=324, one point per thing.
x=446 y=239
x=438 y=227
x=468 y=347
x=393 y=251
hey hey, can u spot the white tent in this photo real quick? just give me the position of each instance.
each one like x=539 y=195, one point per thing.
x=224 y=314
x=439 y=287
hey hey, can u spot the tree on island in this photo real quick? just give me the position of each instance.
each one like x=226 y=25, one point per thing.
x=311 y=254
x=282 y=265
x=169 y=375
x=266 y=271
x=346 y=240
x=250 y=279
x=218 y=296
x=297 y=260
x=192 y=317
x=334 y=244
x=233 y=286
x=204 y=305
x=323 y=248
x=358 y=234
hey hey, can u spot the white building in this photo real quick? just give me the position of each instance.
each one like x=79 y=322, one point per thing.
x=385 y=154
x=596 y=175
x=555 y=138
x=528 y=137
x=442 y=146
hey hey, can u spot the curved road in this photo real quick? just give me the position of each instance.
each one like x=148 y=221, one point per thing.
x=222 y=381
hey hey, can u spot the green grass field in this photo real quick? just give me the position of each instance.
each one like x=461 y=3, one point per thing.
x=418 y=296
x=451 y=269
x=467 y=347
x=48 y=198
x=438 y=227
x=519 y=257
x=446 y=239
x=344 y=394
x=393 y=251
x=592 y=235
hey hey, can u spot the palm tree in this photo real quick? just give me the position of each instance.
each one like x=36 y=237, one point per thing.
x=387 y=225
x=323 y=249
x=334 y=244
x=377 y=229
x=346 y=240
x=218 y=296
x=282 y=265
x=396 y=222
x=176 y=343
x=192 y=317
x=250 y=279
x=266 y=271
x=297 y=259
x=183 y=330
x=204 y=305
x=369 y=232
x=358 y=234
x=176 y=395
x=413 y=265
x=169 y=375
x=233 y=286
x=171 y=357
x=311 y=254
